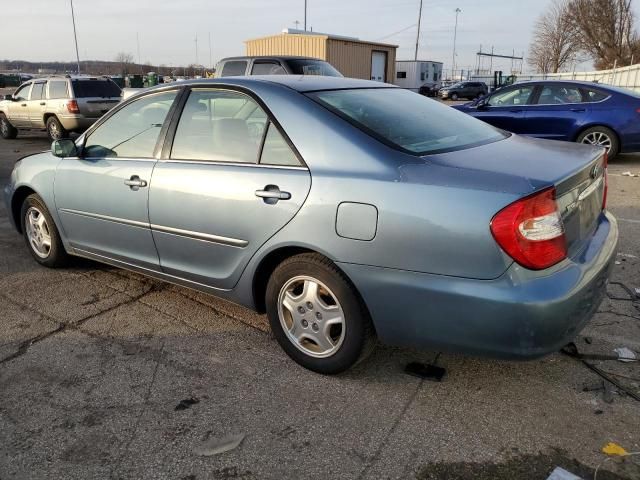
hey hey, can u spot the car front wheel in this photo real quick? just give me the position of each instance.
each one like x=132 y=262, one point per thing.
x=7 y=131
x=453 y=96
x=601 y=137
x=317 y=316
x=40 y=233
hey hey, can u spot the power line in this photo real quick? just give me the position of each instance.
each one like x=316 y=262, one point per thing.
x=396 y=33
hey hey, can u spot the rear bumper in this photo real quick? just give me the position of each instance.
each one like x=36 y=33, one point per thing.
x=521 y=315
x=76 y=123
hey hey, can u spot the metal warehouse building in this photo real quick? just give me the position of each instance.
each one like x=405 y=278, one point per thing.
x=353 y=57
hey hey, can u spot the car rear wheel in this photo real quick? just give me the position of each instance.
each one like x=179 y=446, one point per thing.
x=40 y=233
x=55 y=130
x=601 y=137
x=317 y=316
x=7 y=131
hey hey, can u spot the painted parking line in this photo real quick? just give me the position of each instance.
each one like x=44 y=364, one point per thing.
x=628 y=220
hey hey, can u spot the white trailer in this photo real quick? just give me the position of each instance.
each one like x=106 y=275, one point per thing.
x=413 y=74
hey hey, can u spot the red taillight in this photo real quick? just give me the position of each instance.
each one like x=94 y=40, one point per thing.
x=531 y=231
x=72 y=106
x=605 y=164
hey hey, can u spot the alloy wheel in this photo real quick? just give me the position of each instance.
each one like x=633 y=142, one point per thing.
x=38 y=232
x=311 y=316
x=599 y=139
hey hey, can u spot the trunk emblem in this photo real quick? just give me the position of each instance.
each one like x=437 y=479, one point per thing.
x=595 y=171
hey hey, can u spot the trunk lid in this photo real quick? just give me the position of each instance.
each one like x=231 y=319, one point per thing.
x=523 y=165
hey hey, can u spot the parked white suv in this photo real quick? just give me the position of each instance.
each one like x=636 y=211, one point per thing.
x=59 y=104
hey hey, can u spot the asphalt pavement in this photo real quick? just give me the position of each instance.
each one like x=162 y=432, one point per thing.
x=107 y=374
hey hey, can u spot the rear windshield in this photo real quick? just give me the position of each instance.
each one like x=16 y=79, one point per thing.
x=300 y=66
x=95 y=88
x=406 y=120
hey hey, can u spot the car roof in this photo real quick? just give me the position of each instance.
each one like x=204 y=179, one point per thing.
x=260 y=57
x=300 y=83
x=583 y=83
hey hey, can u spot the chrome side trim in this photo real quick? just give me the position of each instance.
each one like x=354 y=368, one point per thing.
x=233 y=164
x=205 y=237
x=232 y=242
x=123 y=221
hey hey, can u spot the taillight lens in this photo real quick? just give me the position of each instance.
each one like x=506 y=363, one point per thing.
x=531 y=231
x=605 y=164
x=72 y=106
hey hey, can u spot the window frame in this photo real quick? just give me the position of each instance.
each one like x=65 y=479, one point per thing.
x=27 y=87
x=246 y=66
x=172 y=128
x=267 y=62
x=82 y=140
x=540 y=87
x=43 y=92
x=66 y=86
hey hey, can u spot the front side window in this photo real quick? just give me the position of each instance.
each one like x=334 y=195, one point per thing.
x=511 y=97
x=132 y=132
x=267 y=68
x=234 y=68
x=219 y=125
x=37 y=93
x=411 y=122
x=58 y=89
x=559 y=95
x=22 y=93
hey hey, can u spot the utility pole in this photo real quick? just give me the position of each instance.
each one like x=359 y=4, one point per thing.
x=455 y=38
x=210 y=57
x=305 y=15
x=75 y=36
x=197 y=62
x=138 y=48
x=415 y=56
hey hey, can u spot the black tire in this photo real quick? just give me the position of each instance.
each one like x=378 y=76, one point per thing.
x=7 y=131
x=57 y=255
x=55 y=130
x=454 y=97
x=592 y=132
x=358 y=336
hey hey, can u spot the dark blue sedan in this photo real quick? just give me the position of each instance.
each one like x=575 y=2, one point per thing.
x=573 y=111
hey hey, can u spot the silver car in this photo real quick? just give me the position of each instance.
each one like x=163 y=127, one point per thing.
x=349 y=211
x=59 y=104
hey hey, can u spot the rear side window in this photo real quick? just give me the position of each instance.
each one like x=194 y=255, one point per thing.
x=234 y=68
x=267 y=68
x=403 y=119
x=37 y=93
x=132 y=132
x=276 y=151
x=304 y=66
x=221 y=126
x=559 y=95
x=95 y=88
x=58 y=89
x=595 y=95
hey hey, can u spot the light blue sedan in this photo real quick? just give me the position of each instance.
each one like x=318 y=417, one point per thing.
x=347 y=210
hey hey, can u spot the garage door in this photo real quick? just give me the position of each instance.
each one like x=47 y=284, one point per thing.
x=378 y=66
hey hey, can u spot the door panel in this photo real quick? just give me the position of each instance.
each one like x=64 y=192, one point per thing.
x=207 y=221
x=100 y=213
x=19 y=108
x=37 y=105
x=557 y=112
x=507 y=108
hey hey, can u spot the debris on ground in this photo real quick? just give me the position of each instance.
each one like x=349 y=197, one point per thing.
x=215 y=445
x=629 y=174
x=560 y=473
x=186 y=403
x=613 y=449
x=425 y=371
x=625 y=355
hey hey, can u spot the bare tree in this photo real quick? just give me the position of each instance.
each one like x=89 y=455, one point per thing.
x=606 y=30
x=555 y=43
x=125 y=60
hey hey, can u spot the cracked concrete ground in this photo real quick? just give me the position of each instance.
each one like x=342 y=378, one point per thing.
x=94 y=360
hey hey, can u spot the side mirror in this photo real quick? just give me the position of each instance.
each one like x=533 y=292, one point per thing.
x=64 y=148
x=482 y=104
x=8 y=97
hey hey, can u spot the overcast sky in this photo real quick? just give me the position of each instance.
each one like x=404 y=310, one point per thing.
x=40 y=30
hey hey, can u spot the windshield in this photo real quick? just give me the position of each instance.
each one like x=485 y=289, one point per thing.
x=302 y=66
x=404 y=119
x=95 y=88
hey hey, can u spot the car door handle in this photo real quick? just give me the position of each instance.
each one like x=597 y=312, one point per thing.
x=578 y=110
x=24 y=104
x=516 y=110
x=43 y=103
x=135 y=182
x=272 y=194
